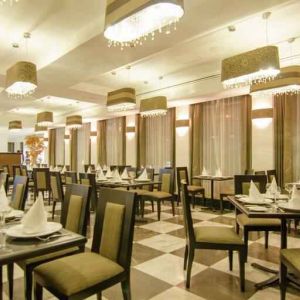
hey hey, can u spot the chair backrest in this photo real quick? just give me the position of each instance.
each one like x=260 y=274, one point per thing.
x=75 y=208
x=150 y=174
x=56 y=186
x=122 y=167
x=5 y=181
x=19 y=192
x=114 y=225
x=182 y=175
x=90 y=180
x=249 y=172
x=16 y=170
x=71 y=177
x=242 y=183
x=41 y=178
x=87 y=166
x=187 y=215
x=271 y=174
x=166 y=177
x=260 y=173
x=24 y=171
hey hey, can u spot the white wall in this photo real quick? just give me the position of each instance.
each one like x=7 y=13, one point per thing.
x=3 y=139
x=131 y=141
x=262 y=136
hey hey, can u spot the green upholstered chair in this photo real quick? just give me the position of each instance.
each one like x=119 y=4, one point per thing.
x=41 y=179
x=289 y=262
x=71 y=177
x=165 y=191
x=182 y=176
x=90 y=179
x=209 y=237
x=241 y=186
x=5 y=181
x=16 y=170
x=74 y=217
x=82 y=275
x=19 y=192
x=272 y=174
x=57 y=190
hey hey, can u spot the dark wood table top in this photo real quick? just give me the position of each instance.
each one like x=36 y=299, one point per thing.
x=210 y=177
x=129 y=184
x=272 y=213
x=19 y=249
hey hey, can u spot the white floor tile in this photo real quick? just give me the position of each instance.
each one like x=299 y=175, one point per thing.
x=162 y=227
x=176 y=293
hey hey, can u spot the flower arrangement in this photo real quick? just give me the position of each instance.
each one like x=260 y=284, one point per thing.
x=36 y=146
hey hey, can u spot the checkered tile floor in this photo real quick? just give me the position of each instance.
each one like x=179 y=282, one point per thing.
x=157 y=262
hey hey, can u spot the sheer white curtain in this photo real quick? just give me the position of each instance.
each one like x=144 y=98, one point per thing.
x=114 y=141
x=60 y=146
x=224 y=138
x=296 y=140
x=159 y=141
x=83 y=150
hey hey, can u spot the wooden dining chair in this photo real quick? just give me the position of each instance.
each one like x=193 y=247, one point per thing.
x=182 y=175
x=289 y=262
x=74 y=217
x=241 y=186
x=16 y=170
x=87 y=166
x=5 y=181
x=24 y=171
x=57 y=190
x=41 y=179
x=249 y=172
x=165 y=192
x=70 y=177
x=90 y=180
x=19 y=192
x=209 y=237
x=260 y=173
x=82 y=275
x=272 y=174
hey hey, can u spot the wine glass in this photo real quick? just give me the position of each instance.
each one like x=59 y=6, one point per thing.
x=3 y=214
x=289 y=188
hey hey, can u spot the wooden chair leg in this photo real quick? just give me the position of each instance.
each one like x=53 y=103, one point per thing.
x=221 y=204
x=246 y=237
x=99 y=296
x=142 y=202
x=53 y=209
x=10 y=277
x=173 y=206
x=38 y=291
x=193 y=200
x=158 y=209
x=152 y=205
x=185 y=257
x=266 y=239
x=204 y=199
x=126 y=289
x=283 y=281
x=189 y=266
x=242 y=259
x=237 y=228
x=230 y=256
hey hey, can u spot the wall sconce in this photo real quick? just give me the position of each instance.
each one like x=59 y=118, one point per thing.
x=93 y=135
x=262 y=118
x=130 y=132
x=182 y=127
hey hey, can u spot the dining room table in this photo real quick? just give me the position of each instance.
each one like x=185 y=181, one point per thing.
x=271 y=211
x=24 y=248
x=128 y=184
x=212 y=180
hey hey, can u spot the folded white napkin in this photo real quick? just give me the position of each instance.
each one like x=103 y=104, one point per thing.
x=98 y=168
x=89 y=170
x=51 y=169
x=295 y=194
x=218 y=173
x=125 y=174
x=273 y=186
x=64 y=169
x=56 y=169
x=4 y=203
x=116 y=176
x=105 y=168
x=35 y=220
x=108 y=173
x=254 y=193
x=204 y=172
x=144 y=175
x=100 y=175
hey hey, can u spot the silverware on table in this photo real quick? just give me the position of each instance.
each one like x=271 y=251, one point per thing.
x=48 y=238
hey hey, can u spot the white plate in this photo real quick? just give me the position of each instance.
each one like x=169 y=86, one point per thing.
x=290 y=206
x=142 y=180
x=17 y=231
x=101 y=180
x=246 y=200
x=15 y=214
x=257 y=208
x=280 y=197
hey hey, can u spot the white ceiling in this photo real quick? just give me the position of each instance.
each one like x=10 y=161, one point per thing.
x=74 y=61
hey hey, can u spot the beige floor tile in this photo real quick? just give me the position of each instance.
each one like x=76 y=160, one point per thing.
x=176 y=293
x=162 y=227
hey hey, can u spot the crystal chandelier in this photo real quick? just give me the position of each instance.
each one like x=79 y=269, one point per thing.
x=121 y=100
x=128 y=25
x=286 y=82
x=154 y=107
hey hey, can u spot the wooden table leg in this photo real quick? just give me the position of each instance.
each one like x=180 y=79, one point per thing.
x=212 y=194
x=1 y=284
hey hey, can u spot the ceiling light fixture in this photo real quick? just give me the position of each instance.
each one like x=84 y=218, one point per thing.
x=74 y=122
x=15 y=126
x=153 y=107
x=11 y=2
x=44 y=118
x=255 y=66
x=40 y=129
x=128 y=23
x=121 y=100
x=21 y=78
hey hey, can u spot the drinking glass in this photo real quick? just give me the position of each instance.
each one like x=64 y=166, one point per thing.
x=3 y=214
x=289 y=188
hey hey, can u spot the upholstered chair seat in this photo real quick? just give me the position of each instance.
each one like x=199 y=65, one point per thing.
x=195 y=188
x=157 y=194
